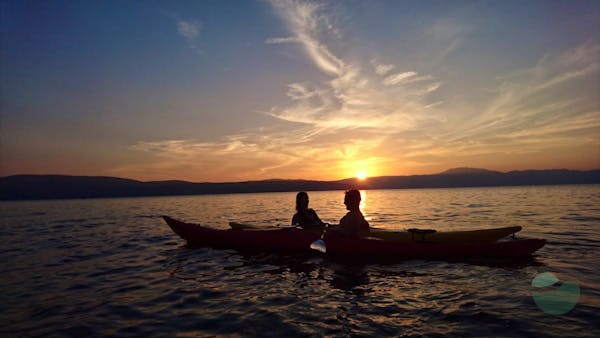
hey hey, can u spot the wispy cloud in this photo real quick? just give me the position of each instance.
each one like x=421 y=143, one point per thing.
x=555 y=87
x=273 y=41
x=546 y=105
x=188 y=29
x=382 y=69
x=447 y=36
x=305 y=21
x=352 y=98
x=255 y=155
x=398 y=78
x=391 y=115
x=342 y=121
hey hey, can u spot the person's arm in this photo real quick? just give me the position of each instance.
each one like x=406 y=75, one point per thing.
x=295 y=219
x=316 y=217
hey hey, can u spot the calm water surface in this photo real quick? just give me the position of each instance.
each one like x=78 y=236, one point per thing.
x=112 y=267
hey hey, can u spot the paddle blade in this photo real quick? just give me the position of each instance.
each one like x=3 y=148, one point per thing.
x=319 y=245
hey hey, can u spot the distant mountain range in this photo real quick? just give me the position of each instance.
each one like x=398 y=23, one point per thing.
x=29 y=187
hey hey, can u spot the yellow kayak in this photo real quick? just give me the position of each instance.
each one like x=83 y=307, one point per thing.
x=432 y=236
x=426 y=235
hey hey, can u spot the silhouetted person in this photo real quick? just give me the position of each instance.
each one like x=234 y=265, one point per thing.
x=354 y=223
x=305 y=217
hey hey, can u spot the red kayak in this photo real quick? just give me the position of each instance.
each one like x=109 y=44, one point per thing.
x=297 y=240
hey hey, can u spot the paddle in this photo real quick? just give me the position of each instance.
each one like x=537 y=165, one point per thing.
x=319 y=244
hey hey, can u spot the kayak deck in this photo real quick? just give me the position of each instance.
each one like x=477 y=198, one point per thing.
x=297 y=240
x=469 y=236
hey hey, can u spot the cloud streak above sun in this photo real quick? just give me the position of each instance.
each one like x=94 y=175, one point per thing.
x=387 y=118
x=353 y=96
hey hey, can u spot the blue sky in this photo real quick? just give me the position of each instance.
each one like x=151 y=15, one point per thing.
x=238 y=90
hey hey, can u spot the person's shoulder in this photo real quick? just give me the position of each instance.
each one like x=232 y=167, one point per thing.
x=357 y=217
x=355 y=213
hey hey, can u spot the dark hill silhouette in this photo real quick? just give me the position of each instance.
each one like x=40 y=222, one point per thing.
x=26 y=187
x=462 y=171
x=479 y=178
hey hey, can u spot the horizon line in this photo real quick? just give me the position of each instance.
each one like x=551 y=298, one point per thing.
x=308 y=180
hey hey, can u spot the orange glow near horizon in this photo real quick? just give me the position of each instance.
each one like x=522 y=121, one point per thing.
x=361 y=175
x=360 y=167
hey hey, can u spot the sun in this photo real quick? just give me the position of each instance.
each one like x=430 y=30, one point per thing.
x=361 y=175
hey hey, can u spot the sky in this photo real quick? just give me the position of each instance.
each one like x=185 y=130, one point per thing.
x=215 y=91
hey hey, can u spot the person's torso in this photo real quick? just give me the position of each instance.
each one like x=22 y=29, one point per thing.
x=307 y=218
x=354 y=222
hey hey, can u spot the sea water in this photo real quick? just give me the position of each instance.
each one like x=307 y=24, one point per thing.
x=100 y=267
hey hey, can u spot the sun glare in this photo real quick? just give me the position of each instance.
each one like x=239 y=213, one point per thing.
x=361 y=175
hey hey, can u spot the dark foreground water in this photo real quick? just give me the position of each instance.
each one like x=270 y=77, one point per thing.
x=112 y=267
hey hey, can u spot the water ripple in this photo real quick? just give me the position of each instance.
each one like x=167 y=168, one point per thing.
x=112 y=268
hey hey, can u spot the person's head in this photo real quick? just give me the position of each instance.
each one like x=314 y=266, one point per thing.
x=301 y=201
x=352 y=199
